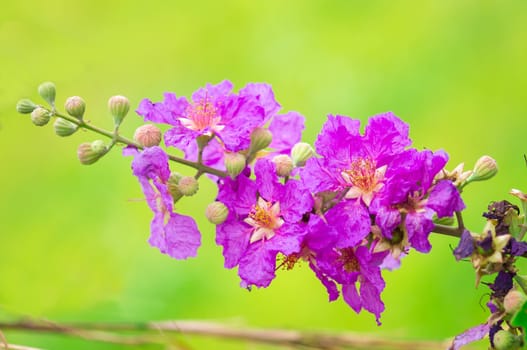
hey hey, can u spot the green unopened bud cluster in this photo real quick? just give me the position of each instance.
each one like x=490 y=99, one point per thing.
x=179 y=185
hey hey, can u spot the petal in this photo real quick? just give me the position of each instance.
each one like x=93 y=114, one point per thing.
x=352 y=220
x=287 y=131
x=337 y=131
x=266 y=180
x=385 y=136
x=239 y=195
x=295 y=201
x=387 y=219
x=233 y=236
x=263 y=93
x=465 y=247
x=445 y=199
x=371 y=299
x=419 y=226
x=317 y=176
x=470 y=335
x=287 y=239
x=351 y=297
x=330 y=285
x=257 y=266
x=182 y=236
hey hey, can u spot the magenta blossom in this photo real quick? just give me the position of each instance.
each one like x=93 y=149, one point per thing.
x=265 y=219
x=173 y=234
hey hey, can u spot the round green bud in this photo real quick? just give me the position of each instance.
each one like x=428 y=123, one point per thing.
x=40 y=116
x=284 y=165
x=172 y=185
x=119 y=107
x=47 y=91
x=89 y=153
x=188 y=185
x=485 y=168
x=216 y=213
x=260 y=139
x=25 y=106
x=148 y=135
x=75 y=106
x=513 y=301
x=301 y=152
x=234 y=163
x=504 y=340
x=64 y=127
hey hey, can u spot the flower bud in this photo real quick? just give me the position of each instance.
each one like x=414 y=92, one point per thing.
x=64 y=127
x=188 y=185
x=504 y=340
x=284 y=165
x=260 y=139
x=47 y=92
x=147 y=135
x=40 y=116
x=216 y=213
x=25 y=106
x=301 y=152
x=234 y=163
x=89 y=153
x=513 y=301
x=172 y=185
x=119 y=107
x=485 y=168
x=75 y=106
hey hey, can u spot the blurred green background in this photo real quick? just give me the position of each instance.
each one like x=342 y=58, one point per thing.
x=73 y=238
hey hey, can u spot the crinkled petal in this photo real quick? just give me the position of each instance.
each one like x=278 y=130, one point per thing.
x=152 y=163
x=263 y=93
x=287 y=239
x=267 y=181
x=352 y=220
x=233 y=236
x=239 y=195
x=351 y=296
x=179 y=238
x=337 y=130
x=518 y=248
x=371 y=299
x=470 y=335
x=295 y=201
x=387 y=219
x=445 y=199
x=257 y=265
x=317 y=177
x=213 y=92
x=287 y=131
x=331 y=287
x=419 y=226
x=385 y=136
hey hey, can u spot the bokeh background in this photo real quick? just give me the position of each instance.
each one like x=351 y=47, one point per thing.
x=73 y=238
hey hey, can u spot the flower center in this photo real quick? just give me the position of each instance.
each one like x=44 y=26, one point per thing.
x=202 y=115
x=363 y=178
x=265 y=219
x=350 y=261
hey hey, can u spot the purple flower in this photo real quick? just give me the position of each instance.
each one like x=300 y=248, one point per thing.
x=173 y=234
x=264 y=220
x=470 y=335
x=410 y=188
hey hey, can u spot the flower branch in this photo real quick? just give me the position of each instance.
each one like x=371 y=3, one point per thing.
x=155 y=333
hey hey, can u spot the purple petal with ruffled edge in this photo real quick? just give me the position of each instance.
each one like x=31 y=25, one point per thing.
x=151 y=163
x=287 y=239
x=352 y=220
x=239 y=195
x=266 y=180
x=233 y=236
x=385 y=136
x=257 y=265
x=445 y=199
x=387 y=219
x=295 y=201
x=419 y=226
x=287 y=131
x=180 y=238
x=331 y=286
x=263 y=93
x=371 y=299
x=336 y=130
x=317 y=177
x=470 y=335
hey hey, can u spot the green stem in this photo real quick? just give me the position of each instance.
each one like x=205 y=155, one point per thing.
x=118 y=138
